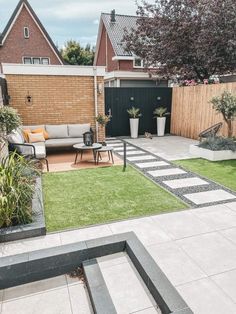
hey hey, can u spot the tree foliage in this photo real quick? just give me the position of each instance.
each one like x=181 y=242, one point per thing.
x=193 y=39
x=74 y=54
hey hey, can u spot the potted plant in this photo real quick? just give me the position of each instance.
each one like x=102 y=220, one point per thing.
x=226 y=105
x=160 y=114
x=103 y=120
x=134 y=115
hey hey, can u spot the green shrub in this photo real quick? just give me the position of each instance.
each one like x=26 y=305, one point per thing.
x=9 y=119
x=134 y=113
x=219 y=143
x=17 y=186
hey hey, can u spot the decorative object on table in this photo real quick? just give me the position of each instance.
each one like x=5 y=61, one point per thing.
x=134 y=115
x=160 y=114
x=226 y=105
x=148 y=135
x=103 y=120
x=88 y=138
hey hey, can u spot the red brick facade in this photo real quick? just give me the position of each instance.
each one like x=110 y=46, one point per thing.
x=15 y=46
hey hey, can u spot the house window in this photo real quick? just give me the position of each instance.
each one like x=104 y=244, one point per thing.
x=36 y=60
x=138 y=63
x=26 y=32
x=45 y=60
x=27 y=60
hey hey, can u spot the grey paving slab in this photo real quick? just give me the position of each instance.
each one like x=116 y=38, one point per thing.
x=112 y=260
x=181 y=224
x=231 y=205
x=175 y=263
x=182 y=183
x=209 y=196
x=79 y=298
x=133 y=152
x=141 y=157
x=150 y=310
x=212 y=252
x=205 y=297
x=218 y=216
x=166 y=172
x=230 y=234
x=121 y=149
x=227 y=282
x=151 y=164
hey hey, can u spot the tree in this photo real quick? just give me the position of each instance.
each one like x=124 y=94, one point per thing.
x=74 y=54
x=226 y=105
x=192 y=39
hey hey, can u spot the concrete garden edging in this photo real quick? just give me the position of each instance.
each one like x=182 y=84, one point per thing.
x=211 y=154
x=34 y=229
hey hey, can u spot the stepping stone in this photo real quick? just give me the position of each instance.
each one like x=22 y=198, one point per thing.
x=209 y=196
x=115 y=144
x=134 y=152
x=166 y=172
x=117 y=149
x=141 y=157
x=183 y=183
x=152 y=164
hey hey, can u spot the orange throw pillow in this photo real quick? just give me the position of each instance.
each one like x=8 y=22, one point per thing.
x=45 y=134
x=26 y=134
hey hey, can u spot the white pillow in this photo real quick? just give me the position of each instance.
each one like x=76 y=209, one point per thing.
x=36 y=137
x=15 y=138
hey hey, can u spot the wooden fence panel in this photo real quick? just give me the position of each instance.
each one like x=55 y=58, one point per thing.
x=192 y=111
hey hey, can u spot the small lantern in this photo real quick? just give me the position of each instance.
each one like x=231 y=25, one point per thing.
x=88 y=138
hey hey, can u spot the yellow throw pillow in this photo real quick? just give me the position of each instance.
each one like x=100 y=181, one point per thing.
x=45 y=134
x=36 y=137
x=26 y=134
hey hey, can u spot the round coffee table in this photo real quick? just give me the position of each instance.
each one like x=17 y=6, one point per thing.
x=80 y=148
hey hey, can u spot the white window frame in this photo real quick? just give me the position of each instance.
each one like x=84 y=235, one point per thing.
x=138 y=66
x=26 y=30
x=32 y=60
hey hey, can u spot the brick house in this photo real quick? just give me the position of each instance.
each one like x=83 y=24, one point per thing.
x=122 y=68
x=25 y=40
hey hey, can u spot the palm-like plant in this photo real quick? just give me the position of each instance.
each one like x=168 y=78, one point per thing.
x=134 y=113
x=160 y=112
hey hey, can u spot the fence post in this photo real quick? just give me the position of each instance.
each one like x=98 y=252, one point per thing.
x=124 y=166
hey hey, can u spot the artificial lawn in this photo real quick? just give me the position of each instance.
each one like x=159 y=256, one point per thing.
x=93 y=196
x=223 y=172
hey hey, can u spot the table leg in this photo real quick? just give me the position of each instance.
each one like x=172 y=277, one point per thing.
x=76 y=155
x=81 y=155
x=94 y=156
x=111 y=152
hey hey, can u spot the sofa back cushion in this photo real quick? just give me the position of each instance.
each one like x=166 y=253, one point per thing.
x=77 y=130
x=57 y=131
x=36 y=137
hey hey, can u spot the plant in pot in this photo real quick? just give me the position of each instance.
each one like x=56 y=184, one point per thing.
x=160 y=114
x=103 y=120
x=134 y=115
x=226 y=105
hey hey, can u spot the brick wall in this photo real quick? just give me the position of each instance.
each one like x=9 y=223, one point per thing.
x=16 y=46
x=55 y=99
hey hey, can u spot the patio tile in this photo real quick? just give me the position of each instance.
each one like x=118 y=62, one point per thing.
x=182 y=183
x=85 y=234
x=22 y=246
x=51 y=302
x=141 y=157
x=152 y=164
x=120 y=149
x=204 y=297
x=166 y=172
x=171 y=258
x=128 y=292
x=211 y=251
x=218 y=216
x=230 y=234
x=150 y=310
x=181 y=224
x=209 y=196
x=34 y=288
x=231 y=205
x=79 y=298
x=227 y=282
x=112 y=260
x=133 y=152
x=144 y=228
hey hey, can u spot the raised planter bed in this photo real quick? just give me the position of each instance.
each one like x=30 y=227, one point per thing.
x=34 y=229
x=212 y=155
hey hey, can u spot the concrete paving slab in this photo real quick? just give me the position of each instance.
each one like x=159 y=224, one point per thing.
x=133 y=152
x=166 y=172
x=209 y=196
x=79 y=298
x=151 y=164
x=231 y=205
x=230 y=234
x=141 y=157
x=227 y=282
x=182 y=183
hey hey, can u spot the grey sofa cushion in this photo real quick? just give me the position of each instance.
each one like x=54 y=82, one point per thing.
x=57 y=131
x=63 y=142
x=27 y=150
x=77 y=130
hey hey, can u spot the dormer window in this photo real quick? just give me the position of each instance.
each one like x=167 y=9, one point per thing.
x=26 y=32
x=138 y=63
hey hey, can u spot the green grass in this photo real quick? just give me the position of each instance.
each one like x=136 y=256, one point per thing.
x=223 y=172
x=93 y=196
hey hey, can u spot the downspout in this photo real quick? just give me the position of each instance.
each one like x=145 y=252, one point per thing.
x=95 y=98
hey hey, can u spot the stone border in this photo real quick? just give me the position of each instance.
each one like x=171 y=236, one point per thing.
x=37 y=265
x=34 y=229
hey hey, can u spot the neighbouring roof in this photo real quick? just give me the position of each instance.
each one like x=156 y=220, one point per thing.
x=115 y=30
x=12 y=19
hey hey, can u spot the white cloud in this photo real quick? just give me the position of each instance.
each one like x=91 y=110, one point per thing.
x=96 y=22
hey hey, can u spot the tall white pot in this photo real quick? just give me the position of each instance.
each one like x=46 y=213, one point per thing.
x=161 y=124
x=134 y=127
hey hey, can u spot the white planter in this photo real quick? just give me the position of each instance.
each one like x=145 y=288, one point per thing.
x=211 y=154
x=161 y=124
x=134 y=127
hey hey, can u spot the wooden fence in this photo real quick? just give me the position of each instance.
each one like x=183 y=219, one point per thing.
x=192 y=111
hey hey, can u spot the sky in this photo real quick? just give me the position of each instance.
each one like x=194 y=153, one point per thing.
x=69 y=19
